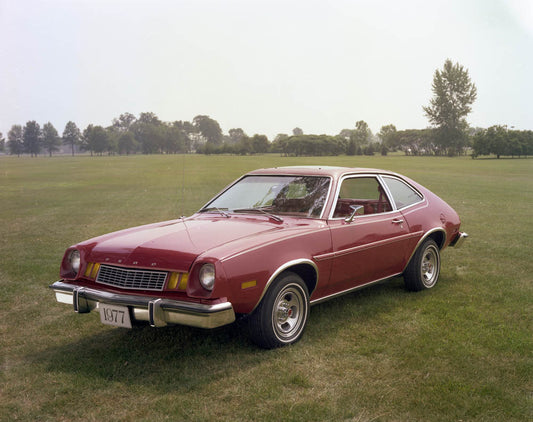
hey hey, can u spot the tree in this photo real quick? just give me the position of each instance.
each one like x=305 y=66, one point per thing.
x=351 y=148
x=260 y=144
x=388 y=136
x=14 y=140
x=279 y=144
x=359 y=138
x=71 y=135
x=174 y=139
x=147 y=117
x=50 y=138
x=95 y=139
x=209 y=129
x=297 y=131
x=236 y=135
x=501 y=141
x=31 y=138
x=125 y=120
x=453 y=95
x=2 y=143
x=127 y=143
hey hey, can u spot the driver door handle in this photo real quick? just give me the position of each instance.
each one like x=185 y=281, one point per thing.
x=397 y=221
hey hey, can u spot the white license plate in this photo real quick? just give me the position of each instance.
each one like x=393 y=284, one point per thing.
x=119 y=316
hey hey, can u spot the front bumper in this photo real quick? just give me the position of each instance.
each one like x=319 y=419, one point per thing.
x=157 y=311
x=458 y=240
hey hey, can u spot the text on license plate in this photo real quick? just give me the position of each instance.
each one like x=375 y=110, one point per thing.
x=119 y=316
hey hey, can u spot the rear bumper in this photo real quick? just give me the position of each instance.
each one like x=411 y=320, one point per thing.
x=458 y=240
x=157 y=311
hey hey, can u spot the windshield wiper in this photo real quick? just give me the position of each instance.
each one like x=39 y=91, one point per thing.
x=219 y=210
x=260 y=210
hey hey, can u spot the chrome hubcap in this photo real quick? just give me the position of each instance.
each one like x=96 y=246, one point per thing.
x=289 y=312
x=429 y=268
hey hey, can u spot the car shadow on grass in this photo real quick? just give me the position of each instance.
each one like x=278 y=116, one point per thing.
x=183 y=358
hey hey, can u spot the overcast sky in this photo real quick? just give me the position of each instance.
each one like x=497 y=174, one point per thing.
x=264 y=66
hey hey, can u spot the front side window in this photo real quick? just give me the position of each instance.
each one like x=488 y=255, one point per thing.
x=402 y=194
x=302 y=196
x=362 y=195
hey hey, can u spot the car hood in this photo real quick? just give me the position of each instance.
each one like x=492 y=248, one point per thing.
x=175 y=244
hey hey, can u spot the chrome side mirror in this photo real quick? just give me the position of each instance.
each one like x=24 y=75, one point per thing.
x=355 y=208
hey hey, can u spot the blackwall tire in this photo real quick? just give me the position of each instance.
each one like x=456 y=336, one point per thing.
x=281 y=317
x=423 y=270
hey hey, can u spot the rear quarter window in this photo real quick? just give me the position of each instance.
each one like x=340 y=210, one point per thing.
x=403 y=195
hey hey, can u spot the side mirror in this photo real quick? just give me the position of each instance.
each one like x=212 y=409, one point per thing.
x=355 y=208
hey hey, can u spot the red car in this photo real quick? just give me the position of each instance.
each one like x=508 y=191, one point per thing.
x=267 y=247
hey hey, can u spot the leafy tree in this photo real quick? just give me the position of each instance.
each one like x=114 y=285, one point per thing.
x=71 y=135
x=346 y=134
x=314 y=145
x=185 y=129
x=388 y=135
x=369 y=150
x=50 y=137
x=244 y=146
x=31 y=138
x=236 y=135
x=149 y=133
x=14 y=140
x=279 y=143
x=95 y=139
x=174 y=140
x=209 y=129
x=416 y=141
x=127 y=143
x=351 y=147
x=2 y=143
x=501 y=141
x=148 y=118
x=498 y=140
x=362 y=133
x=150 y=136
x=453 y=95
x=297 y=131
x=126 y=120
x=260 y=144
x=359 y=138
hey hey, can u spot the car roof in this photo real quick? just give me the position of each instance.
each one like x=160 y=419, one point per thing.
x=317 y=171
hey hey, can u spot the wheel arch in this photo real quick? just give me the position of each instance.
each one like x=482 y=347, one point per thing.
x=438 y=235
x=305 y=268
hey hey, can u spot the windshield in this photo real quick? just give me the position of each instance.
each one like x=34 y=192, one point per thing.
x=302 y=196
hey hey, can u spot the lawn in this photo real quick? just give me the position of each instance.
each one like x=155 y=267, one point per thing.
x=461 y=351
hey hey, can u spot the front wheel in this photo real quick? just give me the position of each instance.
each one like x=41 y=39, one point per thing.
x=281 y=316
x=423 y=271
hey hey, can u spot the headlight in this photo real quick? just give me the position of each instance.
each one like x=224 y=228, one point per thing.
x=207 y=276
x=74 y=259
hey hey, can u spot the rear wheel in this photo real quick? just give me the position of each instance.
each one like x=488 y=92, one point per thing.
x=281 y=316
x=423 y=271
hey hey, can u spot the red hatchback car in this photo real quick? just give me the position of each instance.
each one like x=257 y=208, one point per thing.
x=267 y=247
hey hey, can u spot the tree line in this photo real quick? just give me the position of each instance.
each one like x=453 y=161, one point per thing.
x=147 y=134
x=449 y=133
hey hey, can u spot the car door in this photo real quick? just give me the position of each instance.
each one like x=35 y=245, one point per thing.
x=369 y=236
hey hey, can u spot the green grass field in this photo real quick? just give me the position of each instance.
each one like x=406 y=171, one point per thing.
x=462 y=351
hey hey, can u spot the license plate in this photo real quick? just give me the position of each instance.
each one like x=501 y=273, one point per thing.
x=119 y=316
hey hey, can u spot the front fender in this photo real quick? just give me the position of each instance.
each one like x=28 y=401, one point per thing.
x=250 y=274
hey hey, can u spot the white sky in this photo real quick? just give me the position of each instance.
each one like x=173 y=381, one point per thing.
x=264 y=66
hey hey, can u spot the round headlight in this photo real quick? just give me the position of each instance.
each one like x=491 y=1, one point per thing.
x=207 y=276
x=74 y=259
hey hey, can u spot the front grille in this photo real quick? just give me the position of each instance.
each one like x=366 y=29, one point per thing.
x=126 y=278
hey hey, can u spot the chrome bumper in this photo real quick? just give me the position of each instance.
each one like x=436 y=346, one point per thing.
x=459 y=240
x=158 y=312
